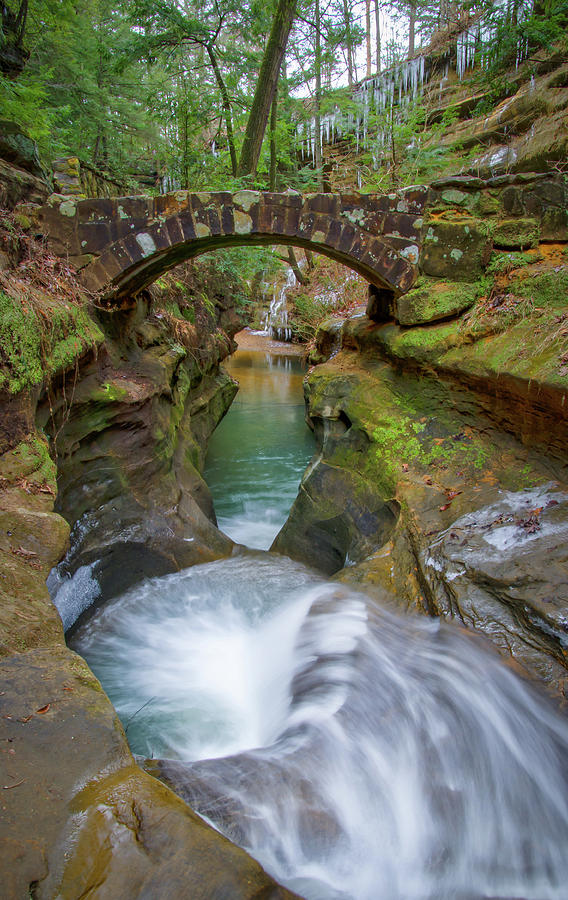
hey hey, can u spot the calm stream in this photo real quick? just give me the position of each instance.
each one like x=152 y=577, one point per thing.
x=258 y=453
x=356 y=753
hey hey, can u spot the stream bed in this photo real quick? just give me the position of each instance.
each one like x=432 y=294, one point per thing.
x=356 y=753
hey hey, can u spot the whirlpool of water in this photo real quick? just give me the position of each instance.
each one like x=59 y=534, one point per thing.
x=357 y=753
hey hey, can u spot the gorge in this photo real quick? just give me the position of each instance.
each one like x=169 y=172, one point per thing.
x=280 y=619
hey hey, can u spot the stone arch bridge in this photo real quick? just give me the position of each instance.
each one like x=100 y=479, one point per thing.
x=445 y=231
x=121 y=245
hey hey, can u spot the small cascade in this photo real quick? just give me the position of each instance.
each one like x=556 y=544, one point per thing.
x=275 y=321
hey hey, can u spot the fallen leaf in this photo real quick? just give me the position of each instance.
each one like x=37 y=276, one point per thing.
x=43 y=709
x=405 y=467
x=8 y=787
x=450 y=494
x=444 y=507
x=21 y=551
x=25 y=719
x=427 y=480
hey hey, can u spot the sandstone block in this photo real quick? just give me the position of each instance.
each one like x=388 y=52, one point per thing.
x=516 y=234
x=457 y=251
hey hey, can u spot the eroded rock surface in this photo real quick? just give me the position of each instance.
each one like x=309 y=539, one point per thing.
x=504 y=570
x=424 y=444
x=131 y=442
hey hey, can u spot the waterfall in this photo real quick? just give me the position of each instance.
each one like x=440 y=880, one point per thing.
x=275 y=321
x=357 y=753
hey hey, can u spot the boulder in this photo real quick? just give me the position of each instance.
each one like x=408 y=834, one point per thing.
x=19 y=149
x=432 y=300
x=337 y=519
x=516 y=234
x=503 y=569
x=17 y=186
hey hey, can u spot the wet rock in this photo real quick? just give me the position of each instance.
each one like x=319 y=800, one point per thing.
x=131 y=446
x=430 y=440
x=504 y=571
x=338 y=518
x=80 y=817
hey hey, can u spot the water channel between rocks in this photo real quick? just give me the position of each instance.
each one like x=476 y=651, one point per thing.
x=357 y=754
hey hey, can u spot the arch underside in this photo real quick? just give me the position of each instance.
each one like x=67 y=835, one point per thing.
x=140 y=275
x=143 y=274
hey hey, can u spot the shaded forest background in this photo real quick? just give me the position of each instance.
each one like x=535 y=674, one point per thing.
x=162 y=92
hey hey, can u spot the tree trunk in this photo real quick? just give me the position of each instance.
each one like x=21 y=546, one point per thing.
x=368 y=34
x=266 y=86
x=273 y=122
x=300 y=277
x=378 y=35
x=349 y=42
x=226 y=106
x=411 y=27
x=317 y=115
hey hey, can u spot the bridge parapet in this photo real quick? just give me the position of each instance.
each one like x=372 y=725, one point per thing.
x=446 y=231
x=125 y=243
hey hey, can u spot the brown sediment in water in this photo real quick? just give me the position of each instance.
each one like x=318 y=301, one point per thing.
x=252 y=340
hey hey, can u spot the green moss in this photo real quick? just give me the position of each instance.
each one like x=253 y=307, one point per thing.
x=423 y=344
x=20 y=345
x=110 y=392
x=432 y=300
x=517 y=234
x=505 y=262
x=547 y=289
x=34 y=345
x=30 y=459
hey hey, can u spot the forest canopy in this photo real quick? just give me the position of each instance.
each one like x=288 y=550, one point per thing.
x=180 y=93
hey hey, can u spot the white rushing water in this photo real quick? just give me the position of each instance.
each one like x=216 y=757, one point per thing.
x=275 y=321
x=356 y=753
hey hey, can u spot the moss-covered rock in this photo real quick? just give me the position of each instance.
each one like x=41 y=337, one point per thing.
x=19 y=149
x=516 y=234
x=432 y=300
x=40 y=338
x=428 y=446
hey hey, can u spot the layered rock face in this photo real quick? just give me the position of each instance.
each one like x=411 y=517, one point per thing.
x=425 y=455
x=129 y=403
x=130 y=435
x=442 y=422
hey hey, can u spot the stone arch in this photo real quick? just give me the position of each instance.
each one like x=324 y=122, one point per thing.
x=129 y=242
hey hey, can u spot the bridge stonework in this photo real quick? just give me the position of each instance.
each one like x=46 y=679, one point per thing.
x=446 y=232
x=123 y=244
